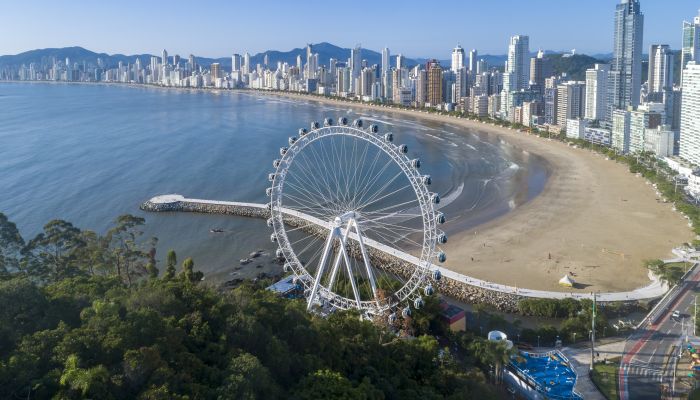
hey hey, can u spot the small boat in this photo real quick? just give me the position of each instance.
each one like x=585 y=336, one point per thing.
x=216 y=230
x=245 y=261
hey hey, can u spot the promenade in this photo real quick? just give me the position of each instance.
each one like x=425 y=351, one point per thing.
x=174 y=202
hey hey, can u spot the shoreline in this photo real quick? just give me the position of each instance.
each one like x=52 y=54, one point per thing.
x=558 y=231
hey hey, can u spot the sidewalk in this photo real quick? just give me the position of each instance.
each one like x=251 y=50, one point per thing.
x=580 y=358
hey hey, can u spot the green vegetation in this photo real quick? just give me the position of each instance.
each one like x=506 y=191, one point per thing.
x=670 y=273
x=86 y=316
x=574 y=66
x=605 y=378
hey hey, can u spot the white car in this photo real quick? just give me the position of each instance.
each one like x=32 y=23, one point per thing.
x=676 y=314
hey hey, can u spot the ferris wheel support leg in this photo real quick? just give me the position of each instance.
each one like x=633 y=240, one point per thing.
x=321 y=267
x=336 y=264
x=365 y=257
x=350 y=275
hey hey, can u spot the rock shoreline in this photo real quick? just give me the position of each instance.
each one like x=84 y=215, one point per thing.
x=506 y=302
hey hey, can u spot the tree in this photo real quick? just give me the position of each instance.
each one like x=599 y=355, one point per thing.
x=171 y=263
x=247 y=379
x=52 y=252
x=152 y=270
x=326 y=384
x=128 y=254
x=91 y=382
x=11 y=244
x=493 y=353
x=188 y=272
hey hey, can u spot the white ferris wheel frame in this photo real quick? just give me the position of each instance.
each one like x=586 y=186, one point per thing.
x=341 y=227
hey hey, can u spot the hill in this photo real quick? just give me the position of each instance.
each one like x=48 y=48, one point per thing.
x=574 y=66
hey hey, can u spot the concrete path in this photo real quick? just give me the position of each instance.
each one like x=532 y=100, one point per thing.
x=655 y=289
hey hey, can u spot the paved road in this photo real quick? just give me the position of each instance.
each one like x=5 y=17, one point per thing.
x=646 y=366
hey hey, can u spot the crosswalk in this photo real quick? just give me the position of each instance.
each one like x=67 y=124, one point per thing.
x=640 y=369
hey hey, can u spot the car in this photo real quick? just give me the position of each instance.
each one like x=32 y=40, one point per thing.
x=676 y=314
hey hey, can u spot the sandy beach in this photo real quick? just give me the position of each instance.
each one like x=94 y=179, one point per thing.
x=594 y=219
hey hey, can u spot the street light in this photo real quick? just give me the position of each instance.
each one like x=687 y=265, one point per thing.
x=574 y=337
x=538 y=341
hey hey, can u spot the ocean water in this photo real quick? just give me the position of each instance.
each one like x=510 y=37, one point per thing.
x=89 y=153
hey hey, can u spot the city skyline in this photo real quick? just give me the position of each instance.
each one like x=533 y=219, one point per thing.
x=227 y=30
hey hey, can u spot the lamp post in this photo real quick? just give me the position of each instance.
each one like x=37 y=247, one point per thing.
x=538 y=341
x=574 y=337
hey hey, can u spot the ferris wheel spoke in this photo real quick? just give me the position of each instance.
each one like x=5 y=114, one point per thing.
x=370 y=182
x=310 y=197
x=375 y=199
x=378 y=192
x=309 y=178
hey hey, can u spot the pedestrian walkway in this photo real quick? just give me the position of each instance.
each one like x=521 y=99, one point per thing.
x=656 y=288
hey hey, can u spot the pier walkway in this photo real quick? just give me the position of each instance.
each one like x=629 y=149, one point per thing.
x=174 y=202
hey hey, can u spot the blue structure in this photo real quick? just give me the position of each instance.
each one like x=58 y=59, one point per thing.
x=550 y=374
x=286 y=288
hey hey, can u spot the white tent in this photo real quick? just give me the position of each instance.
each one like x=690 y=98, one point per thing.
x=566 y=281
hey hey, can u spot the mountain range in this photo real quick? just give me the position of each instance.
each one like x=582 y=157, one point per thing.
x=574 y=66
x=325 y=51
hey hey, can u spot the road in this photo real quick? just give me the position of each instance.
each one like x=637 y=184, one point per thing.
x=646 y=364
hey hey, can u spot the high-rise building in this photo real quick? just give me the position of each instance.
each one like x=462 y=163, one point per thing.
x=690 y=110
x=621 y=130
x=625 y=77
x=216 y=71
x=246 y=63
x=163 y=58
x=396 y=85
x=457 y=58
x=176 y=59
x=518 y=65
x=434 y=83
x=481 y=66
x=356 y=61
x=597 y=92
x=540 y=69
x=266 y=60
x=386 y=56
x=473 y=62
x=571 y=101
x=422 y=87
x=236 y=63
x=400 y=62
x=646 y=116
x=660 y=68
x=690 y=50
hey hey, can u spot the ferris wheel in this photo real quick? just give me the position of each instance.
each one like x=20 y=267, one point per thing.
x=343 y=198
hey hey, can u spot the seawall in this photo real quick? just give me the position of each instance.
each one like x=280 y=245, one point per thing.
x=507 y=302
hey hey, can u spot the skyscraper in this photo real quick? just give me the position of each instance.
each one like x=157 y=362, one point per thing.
x=356 y=61
x=434 y=92
x=386 y=56
x=625 y=78
x=691 y=42
x=400 y=62
x=163 y=58
x=518 y=63
x=246 y=63
x=597 y=92
x=215 y=71
x=690 y=109
x=457 y=58
x=235 y=63
x=473 y=55
x=660 y=69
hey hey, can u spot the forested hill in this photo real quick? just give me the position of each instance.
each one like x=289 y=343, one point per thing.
x=91 y=316
x=574 y=66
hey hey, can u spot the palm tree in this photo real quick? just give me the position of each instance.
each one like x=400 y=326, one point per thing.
x=491 y=352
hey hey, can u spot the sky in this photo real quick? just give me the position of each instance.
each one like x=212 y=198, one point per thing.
x=427 y=28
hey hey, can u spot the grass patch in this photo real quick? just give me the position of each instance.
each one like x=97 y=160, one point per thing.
x=605 y=378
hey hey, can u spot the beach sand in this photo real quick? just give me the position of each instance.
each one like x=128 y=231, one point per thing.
x=594 y=219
